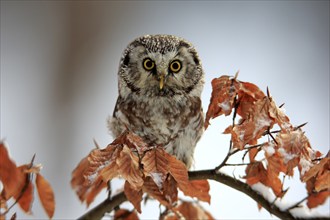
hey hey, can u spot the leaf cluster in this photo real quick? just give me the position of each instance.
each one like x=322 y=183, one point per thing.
x=18 y=184
x=145 y=169
x=289 y=149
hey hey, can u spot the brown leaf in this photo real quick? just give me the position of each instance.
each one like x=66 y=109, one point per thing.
x=255 y=172
x=279 y=116
x=255 y=121
x=136 y=142
x=135 y=197
x=128 y=167
x=109 y=172
x=200 y=189
x=93 y=171
x=124 y=214
x=275 y=163
x=291 y=164
x=296 y=151
x=94 y=189
x=316 y=199
x=46 y=195
x=26 y=198
x=313 y=171
x=192 y=211
x=152 y=189
x=251 y=90
x=323 y=181
x=101 y=165
x=179 y=172
x=155 y=165
x=224 y=90
x=11 y=177
x=247 y=95
x=170 y=189
x=252 y=154
x=78 y=178
x=274 y=183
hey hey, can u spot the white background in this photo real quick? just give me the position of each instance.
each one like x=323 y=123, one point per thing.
x=59 y=65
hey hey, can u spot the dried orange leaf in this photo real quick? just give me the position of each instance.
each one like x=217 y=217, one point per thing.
x=124 y=214
x=222 y=98
x=316 y=199
x=152 y=189
x=274 y=183
x=200 y=189
x=275 y=163
x=128 y=167
x=93 y=171
x=26 y=198
x=256 y=121
x=250 y=89
x=255 y=172
x=135 y=197
x=170 y=189
x=279 y=116
x=155 y=165
x=12 y=178
x=94 y=189
x=78 y=178
x=252 y=154
x=323 y=181
x=179 y=172
x=313 y=171
x=135 y=142
x=193 y=211
x=46 y=195
x=110 y=171
x=291 y=164
x=224 y=90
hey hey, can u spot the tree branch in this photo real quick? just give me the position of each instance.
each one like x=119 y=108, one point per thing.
x=104 y=207
x=109 y=204
x=242 y=187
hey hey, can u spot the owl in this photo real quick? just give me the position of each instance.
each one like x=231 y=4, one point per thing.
x=160 y=80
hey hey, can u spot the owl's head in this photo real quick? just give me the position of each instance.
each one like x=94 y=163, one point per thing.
x=160 y=65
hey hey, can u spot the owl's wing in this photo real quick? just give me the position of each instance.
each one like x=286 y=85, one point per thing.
x=114 y=124
x=116 y=107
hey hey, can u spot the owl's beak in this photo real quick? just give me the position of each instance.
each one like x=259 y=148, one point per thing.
x=161 y=81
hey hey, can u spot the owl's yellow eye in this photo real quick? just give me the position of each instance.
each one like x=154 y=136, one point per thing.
x=175 y=66
x=148 y=64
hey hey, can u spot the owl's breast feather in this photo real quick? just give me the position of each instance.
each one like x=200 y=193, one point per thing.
x=158 y=119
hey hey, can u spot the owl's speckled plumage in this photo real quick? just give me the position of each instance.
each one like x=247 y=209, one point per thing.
x=160 y=105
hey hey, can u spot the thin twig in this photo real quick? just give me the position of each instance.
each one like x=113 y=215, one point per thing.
x=297 y=205
x=278 y=131
x=300 y=126
x=238 y=164
x=236 y=103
